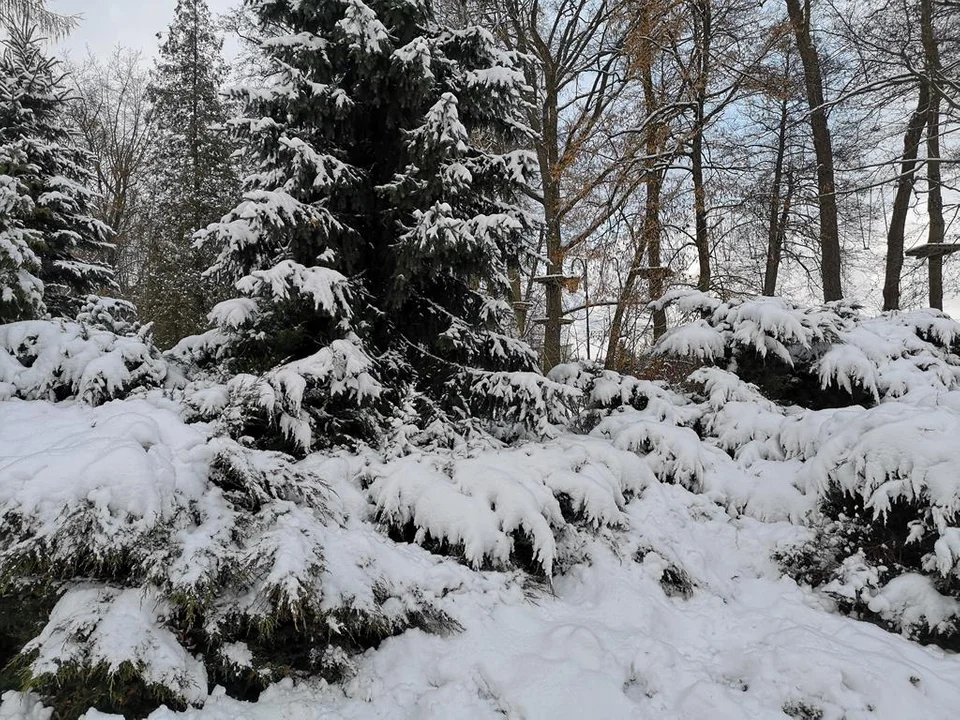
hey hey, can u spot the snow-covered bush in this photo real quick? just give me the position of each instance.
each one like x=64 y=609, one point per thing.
x=602 y=392
x=60 y=359
x=505 y=507
x=828 y=356
x=782 y=400
x=183 y=560
x=516 y=404
x=111 y=314
x=888 y=479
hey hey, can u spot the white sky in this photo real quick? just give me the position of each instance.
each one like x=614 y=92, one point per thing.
x=131 y=23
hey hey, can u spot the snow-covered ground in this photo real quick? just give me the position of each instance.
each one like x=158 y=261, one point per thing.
x=673 y=608
x=623 y=571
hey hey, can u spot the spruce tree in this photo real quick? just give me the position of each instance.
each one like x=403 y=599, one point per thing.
x=195 y=181
x=21 y=291
x=371 y=247
x=51 y=243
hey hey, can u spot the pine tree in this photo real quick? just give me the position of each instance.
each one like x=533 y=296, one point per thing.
x=371 y=246
x=21 y=291
x=195 y=179
x=51 y=243
x=13 y=12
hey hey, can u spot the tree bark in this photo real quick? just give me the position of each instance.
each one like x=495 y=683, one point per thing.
x=937 y=227
x=774 y=234
x=901 y=201
x=700 y=215
x=651 y=232
x=703 y=18
x=823 y=149
x=612 y=360
x=549 y=158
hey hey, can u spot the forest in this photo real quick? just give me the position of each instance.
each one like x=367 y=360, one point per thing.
x=481 y=359
x=735 y=148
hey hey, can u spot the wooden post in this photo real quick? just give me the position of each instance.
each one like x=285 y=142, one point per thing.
x=934 y=253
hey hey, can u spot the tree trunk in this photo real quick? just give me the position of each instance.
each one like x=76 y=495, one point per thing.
x=653 y=179
x=651 y=232
x=651 y=210
x=774 y=234
x=901 y=202
x=549 y=158
x=700 y=208
x=937 y=227
x=823 y=149
x=703 y=17
x=612 y=361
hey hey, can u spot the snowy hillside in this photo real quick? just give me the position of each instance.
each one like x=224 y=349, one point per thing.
x=641 y=562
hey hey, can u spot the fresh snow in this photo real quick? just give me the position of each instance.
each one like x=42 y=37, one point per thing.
x=105 y=625
x=609 y=638
x=609 y=641
x=625 y=571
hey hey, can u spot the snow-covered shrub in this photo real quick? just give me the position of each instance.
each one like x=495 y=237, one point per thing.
x=60 y=359
x=891 y=470
x=517 y=404
x=184 y=560
x=781 y=399
x=105 y=646
x=324 y=399
x=602 y=392
x=674 y=580
x=111 y=314
x=827 y=356
x=674 y=454
x=508 y=506
x=889 y=506
x=912 y=604
x=197 y=353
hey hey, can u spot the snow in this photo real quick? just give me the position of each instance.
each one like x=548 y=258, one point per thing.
x=96 y=481
x=624 y=571
x=360 y=23
x=912 y=601
x=23 y=706
x=56 y=359
x=325 y=286
x=610 y=642
x=480 y=503
x=97 y=625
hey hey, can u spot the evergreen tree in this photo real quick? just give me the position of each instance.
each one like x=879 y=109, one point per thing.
x=195 y=180
x=372 y=244
x=21 y=291
x=35 y=12
x=50 y=243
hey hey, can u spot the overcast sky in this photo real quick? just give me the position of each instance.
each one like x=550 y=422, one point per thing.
x=131 y=23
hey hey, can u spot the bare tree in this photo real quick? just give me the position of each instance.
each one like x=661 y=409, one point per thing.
x=800 y=20
x=112 y=118
x=581 y=81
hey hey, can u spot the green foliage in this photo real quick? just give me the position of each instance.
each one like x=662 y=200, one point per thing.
x=53 y=246
x=24 y=609
x=374 y=217
x=195 y=178
x=77 y=688
x=884 y=547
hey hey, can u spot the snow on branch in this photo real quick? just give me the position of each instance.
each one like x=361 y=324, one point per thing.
x=489 y=506
x=59 y=359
